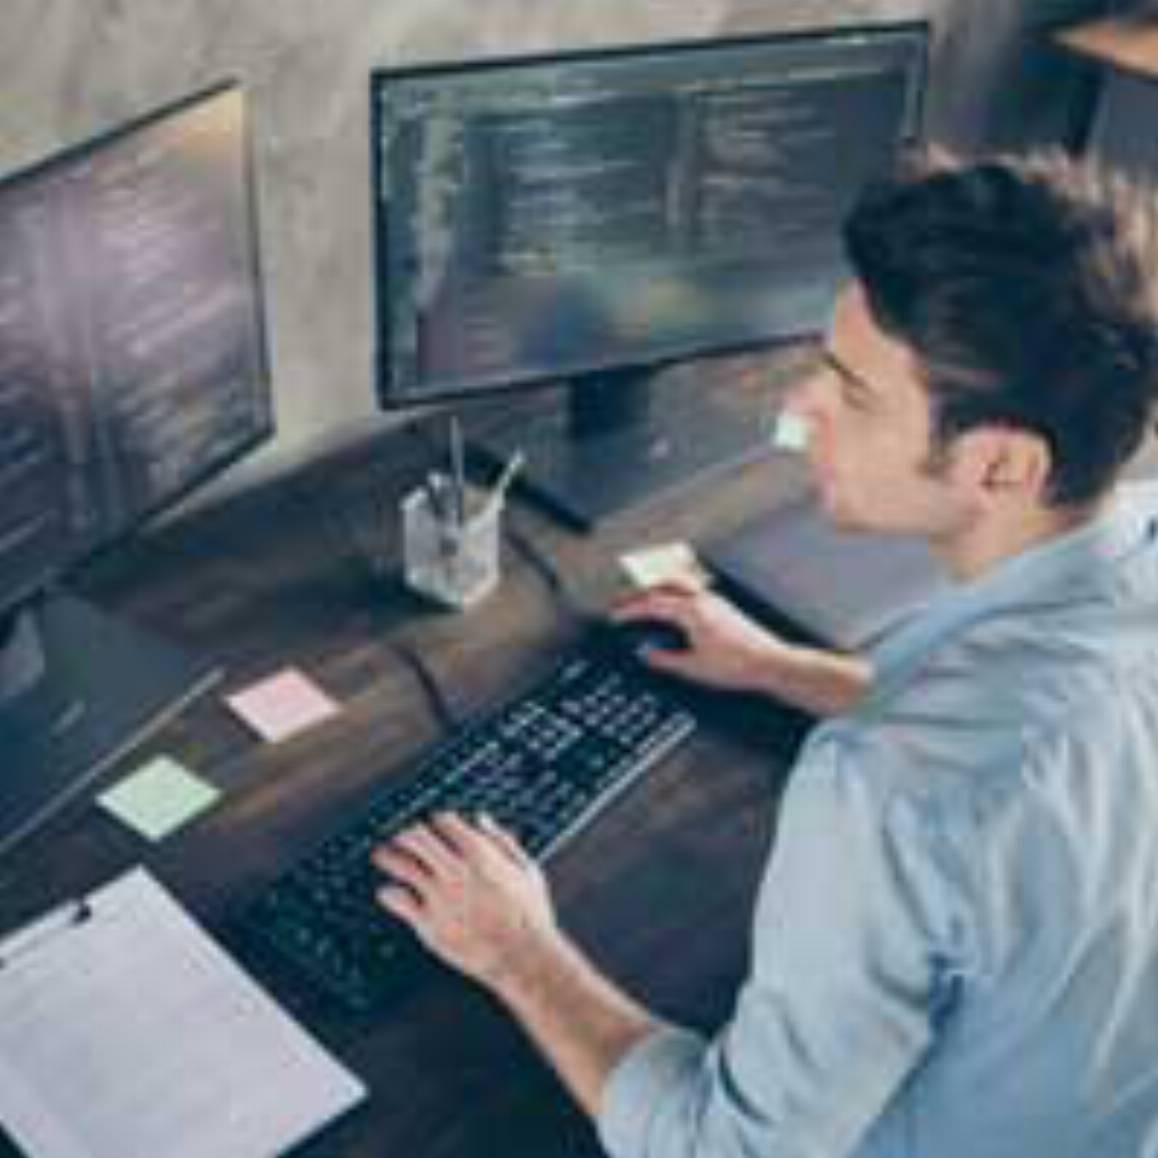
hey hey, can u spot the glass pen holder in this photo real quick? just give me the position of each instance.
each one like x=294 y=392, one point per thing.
x=454 y=561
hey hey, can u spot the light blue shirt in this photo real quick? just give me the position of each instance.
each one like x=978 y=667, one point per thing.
x=955 y=944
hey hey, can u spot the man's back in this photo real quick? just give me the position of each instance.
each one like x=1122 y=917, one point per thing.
x=1028 y=743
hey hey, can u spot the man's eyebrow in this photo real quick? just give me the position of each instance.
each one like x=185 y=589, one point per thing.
x=846 y=372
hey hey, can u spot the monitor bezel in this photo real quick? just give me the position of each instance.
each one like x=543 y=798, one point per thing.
x=54 y=573
x=391 y=398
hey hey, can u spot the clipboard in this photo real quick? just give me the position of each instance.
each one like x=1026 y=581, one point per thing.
x=125 y=1029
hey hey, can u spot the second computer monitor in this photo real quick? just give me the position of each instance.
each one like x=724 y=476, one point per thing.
x=132 y=369
x=588 y=218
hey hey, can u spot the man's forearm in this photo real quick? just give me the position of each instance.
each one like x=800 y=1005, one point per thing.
x=824 y=683
x=579 y=1019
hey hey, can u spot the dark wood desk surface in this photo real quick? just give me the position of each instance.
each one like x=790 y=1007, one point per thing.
x=659 y=889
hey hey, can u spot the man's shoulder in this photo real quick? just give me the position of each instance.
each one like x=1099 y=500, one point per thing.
x=981 y=713
x=1142 y=490
x=972 y=699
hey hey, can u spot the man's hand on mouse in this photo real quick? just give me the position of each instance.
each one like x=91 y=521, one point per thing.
x=724 y=648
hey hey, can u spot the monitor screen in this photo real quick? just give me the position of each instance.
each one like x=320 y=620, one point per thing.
x=132 y=368
x=132 y=351
x=542 y=219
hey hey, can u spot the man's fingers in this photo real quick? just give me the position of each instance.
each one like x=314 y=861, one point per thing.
x=402 y=902
x=670 y=608
x=682 y=584
x=678 y=585
x=428 y=845
x=457 y=833
x=504 y=838
x=476 y=841
x=667 y=659
x=401 y=867
x=645 y=602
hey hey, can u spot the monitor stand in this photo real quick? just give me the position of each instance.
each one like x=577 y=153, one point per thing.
x=621 y=446
x=78 y=688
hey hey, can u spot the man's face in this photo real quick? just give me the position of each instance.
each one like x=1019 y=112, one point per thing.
x=870 y=427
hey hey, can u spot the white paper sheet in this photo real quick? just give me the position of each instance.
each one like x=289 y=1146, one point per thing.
x=132 y=1033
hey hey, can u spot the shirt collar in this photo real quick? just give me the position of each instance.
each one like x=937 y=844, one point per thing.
x=1078 y=560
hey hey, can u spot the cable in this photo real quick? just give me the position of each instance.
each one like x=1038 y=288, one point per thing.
x=561 y=594
x=444 y=715
x=556 y=585
x=370 y=548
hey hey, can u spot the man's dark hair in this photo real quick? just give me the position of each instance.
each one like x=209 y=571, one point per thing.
x=1027 y=290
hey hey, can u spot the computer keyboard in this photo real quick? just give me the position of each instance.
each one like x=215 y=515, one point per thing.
x=542 y=765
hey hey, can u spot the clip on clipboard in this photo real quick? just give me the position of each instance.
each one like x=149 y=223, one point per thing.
x=125 y=1029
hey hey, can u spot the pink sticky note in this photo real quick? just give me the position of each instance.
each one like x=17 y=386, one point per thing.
x=282 y=705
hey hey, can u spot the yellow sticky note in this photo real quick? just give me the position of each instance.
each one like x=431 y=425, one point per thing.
x=663 y=562
x=159 y=798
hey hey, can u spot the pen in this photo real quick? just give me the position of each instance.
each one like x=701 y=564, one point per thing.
x=495 y=498
x=457 y=473
x=437 y=487
x=434 y=487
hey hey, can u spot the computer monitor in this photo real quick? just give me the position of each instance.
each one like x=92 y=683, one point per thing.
x=590 y=219
x=132 y=368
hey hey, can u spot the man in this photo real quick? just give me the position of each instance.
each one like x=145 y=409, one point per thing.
x=955 y=946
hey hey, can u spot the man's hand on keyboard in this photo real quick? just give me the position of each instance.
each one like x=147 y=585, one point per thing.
x=725 y=649
x=476 y=900
x=470 y=893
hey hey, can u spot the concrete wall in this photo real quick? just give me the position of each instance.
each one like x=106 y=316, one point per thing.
x=72 y=68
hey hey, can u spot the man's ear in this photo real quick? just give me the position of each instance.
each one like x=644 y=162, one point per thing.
x=1001 y=462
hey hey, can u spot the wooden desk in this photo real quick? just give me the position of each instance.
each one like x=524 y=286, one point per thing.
x=659 y=889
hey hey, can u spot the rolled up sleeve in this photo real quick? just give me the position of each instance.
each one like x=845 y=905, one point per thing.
x=856 y=943
x=670 y=1059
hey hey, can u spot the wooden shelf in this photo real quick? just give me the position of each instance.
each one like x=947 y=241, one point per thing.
x=1126 y=42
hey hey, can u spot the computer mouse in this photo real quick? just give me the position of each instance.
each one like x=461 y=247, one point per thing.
x=640 y=634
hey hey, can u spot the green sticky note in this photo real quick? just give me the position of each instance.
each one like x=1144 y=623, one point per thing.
x=159 y=797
